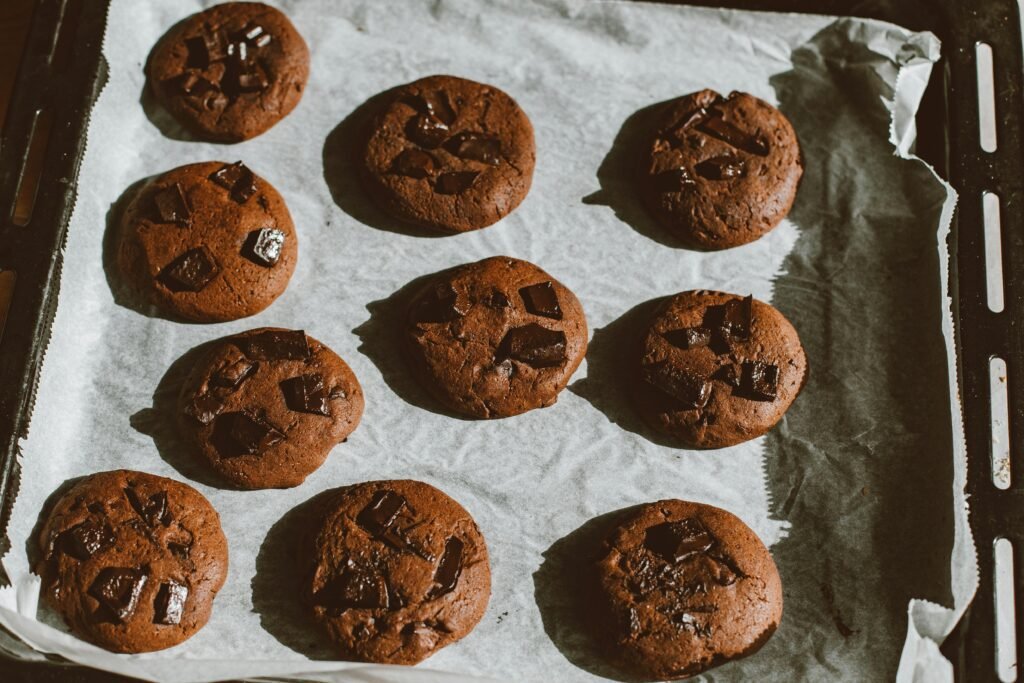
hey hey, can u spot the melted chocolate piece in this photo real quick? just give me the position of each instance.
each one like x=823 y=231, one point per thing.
x=379 y=518
x=724 y=167
x=231 y=376
x=306 y=394
x=440 y=304
x=715 y=125
x=448 y=570
x=427 y=131
x=534 y=345
x=738 y=317
x=153 y=510
x=475 y=146
x=117 y=589
x=190 y=272
x=354 y=589
x=674 y=180
x=205 y=49
x=759 y=381
x=439 y=105
x=689 y=337
x=204 y=407
x=677 y=541
x=455 y=182
x=690 y=389
x=414 y=163
x=84 y=540
x=250 y=433
x=169 y=605
x=276 y=345
x=237 y=179
x=540 y=299
x=263 y=246
x=172 y=206
x=497 y=299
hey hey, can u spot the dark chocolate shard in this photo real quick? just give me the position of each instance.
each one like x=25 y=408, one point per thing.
x=275 y=345
x=738 y=317
x=306 y=394
x=446 y=576
x=541 y=299
x=439 y=104
x=169 y=605
x=84 y=540
x=190 y=272
x=204 y=407
x=440 y=303
x=382 y=511
x=117 y=589
x=232 y=375
x=476 y=147
x=715 y=125
x=723 y=167
x=690 y=389
x=427 y=131
x=205 y=49
x=689 y=337
x=455 y=182
x=153 y=510
x=172 y=206
x=264 y=246
x=676 y=541
x=673 y=180
x=237 y=179
x=534 y=345
x=354 y=589
x=414 y=163
x=688 y=622
x=250 y=432
x=758 y=381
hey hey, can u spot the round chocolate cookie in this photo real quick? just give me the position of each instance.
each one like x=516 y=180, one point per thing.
x=133 y=561
x=266 y=406
x=495 y=338
x=231 y=72
x=717 y=369
x=399 y=570
x=720 y=172
x=685 y=587
x=208 y=242
x=449 y=154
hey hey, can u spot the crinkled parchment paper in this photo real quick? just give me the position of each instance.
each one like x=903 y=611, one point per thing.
x=858 y=491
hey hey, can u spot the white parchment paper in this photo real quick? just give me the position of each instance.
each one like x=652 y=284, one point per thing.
x=858 y=491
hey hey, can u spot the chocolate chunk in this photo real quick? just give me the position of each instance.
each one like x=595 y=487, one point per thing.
x=414 y=163
x=758 y=381
x=276 y=345
x=172 y=206
x=674 y=180
x=381 y=512
x=448 y=570
x=738 y=317
x=497 y=299
x=169 y=605
x=723 y=569
x=190 y=272
x=728 y=374
x=676 y=541
x=690 y=389
x=306 y=394
x=204 y=49
x=455 y=182
x=715 y=125
x=354 y=589
x=204 y=407
x=117 y=589
x=475 y=146
x=231 y=376
x=153 y=510
x=534 y=345
x=440 y=304
x=540 y=299
x=237 y=179
x=440 y=105
x=84 y=540
x=427 y=131
x=689 y=337
x=251 y=434
x=264 y=246
x=181 y=550
x=722 y=167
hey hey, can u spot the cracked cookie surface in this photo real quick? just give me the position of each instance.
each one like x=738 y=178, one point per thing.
x=398 y=571
x=132 y=561
x=495 y=338
x=265 y=407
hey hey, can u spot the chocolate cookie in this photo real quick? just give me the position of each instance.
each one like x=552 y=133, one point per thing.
x=208 y=242
x=685 y=587
x=495 y=338
x=720 y=172
x=133 y=561
x=266 y=406
x=399 y=571
x=231 y=72
x=449 y=154
x=717 y=369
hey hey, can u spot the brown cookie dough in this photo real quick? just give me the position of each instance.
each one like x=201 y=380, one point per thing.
x=266 y=406
x=685 y=587
x=449 y=154
x=133 y=561
x=231 y=72
x=720 y=172
x=495 y=338
x=717 y=369
x=399 y=570
x=207 y=242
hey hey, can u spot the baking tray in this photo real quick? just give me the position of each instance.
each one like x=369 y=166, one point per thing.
x=62 y=72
